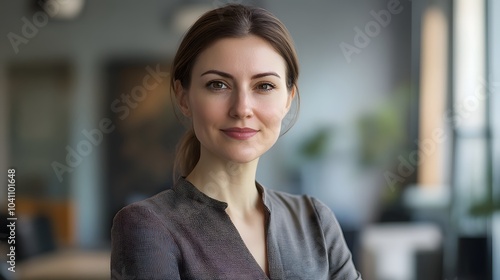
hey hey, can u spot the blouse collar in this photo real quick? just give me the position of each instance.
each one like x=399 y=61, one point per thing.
x=185 y=188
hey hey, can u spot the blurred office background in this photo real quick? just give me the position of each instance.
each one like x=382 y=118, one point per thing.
x=398 y=130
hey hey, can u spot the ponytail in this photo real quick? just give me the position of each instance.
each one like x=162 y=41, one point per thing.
x=187 y=154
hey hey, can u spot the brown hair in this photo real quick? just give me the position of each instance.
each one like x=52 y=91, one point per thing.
x=231 y=21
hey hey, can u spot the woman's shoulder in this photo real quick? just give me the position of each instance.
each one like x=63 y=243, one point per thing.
x=153 y=207
x=276 y=196
x=303 y=203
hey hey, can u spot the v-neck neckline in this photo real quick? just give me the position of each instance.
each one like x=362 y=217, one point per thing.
x=248 y=253
x=186 y=188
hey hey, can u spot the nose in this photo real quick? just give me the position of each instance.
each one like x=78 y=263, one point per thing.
x=241 y=104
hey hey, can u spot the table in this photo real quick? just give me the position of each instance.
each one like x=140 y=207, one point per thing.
x=67 y=265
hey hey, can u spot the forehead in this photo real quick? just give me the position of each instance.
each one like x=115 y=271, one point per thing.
x=240 y=56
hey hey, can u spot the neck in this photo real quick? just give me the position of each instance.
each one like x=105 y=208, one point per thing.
x=233 y=183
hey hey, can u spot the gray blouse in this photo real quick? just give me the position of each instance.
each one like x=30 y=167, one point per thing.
x=182 y=233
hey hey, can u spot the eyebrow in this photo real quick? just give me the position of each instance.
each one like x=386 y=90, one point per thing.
x=229 y=76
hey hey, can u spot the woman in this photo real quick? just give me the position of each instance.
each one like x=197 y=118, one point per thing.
x=234 y=78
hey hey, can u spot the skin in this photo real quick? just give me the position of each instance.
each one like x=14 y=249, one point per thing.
x=236 y=82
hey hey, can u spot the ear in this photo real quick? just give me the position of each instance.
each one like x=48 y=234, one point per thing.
x=182 y=98
x=290 y=98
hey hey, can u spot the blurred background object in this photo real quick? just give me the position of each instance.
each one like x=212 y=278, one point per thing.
x=398 y=129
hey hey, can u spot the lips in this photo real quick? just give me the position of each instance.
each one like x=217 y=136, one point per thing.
x=240 y=133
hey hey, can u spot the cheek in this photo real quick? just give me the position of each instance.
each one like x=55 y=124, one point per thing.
x=274 y=110
x=272 y=117
x=205 y=112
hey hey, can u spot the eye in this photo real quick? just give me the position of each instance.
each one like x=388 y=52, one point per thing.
x=266 y=86
x=216 y=85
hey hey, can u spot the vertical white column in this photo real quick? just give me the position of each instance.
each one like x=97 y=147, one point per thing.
x=469 y=103
x=469 y=64
x=86 y=179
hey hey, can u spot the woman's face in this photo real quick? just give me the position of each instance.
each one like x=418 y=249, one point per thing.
x=237 y=98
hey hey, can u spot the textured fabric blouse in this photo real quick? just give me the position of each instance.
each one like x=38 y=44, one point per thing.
x=182 y=233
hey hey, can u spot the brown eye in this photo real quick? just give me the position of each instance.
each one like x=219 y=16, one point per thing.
x=266 y=87
x=217 y=85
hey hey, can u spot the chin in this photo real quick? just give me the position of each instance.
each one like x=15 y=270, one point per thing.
x=243 y=157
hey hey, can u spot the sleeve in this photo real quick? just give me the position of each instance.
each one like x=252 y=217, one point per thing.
x=142 y=247
x=339 y=256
